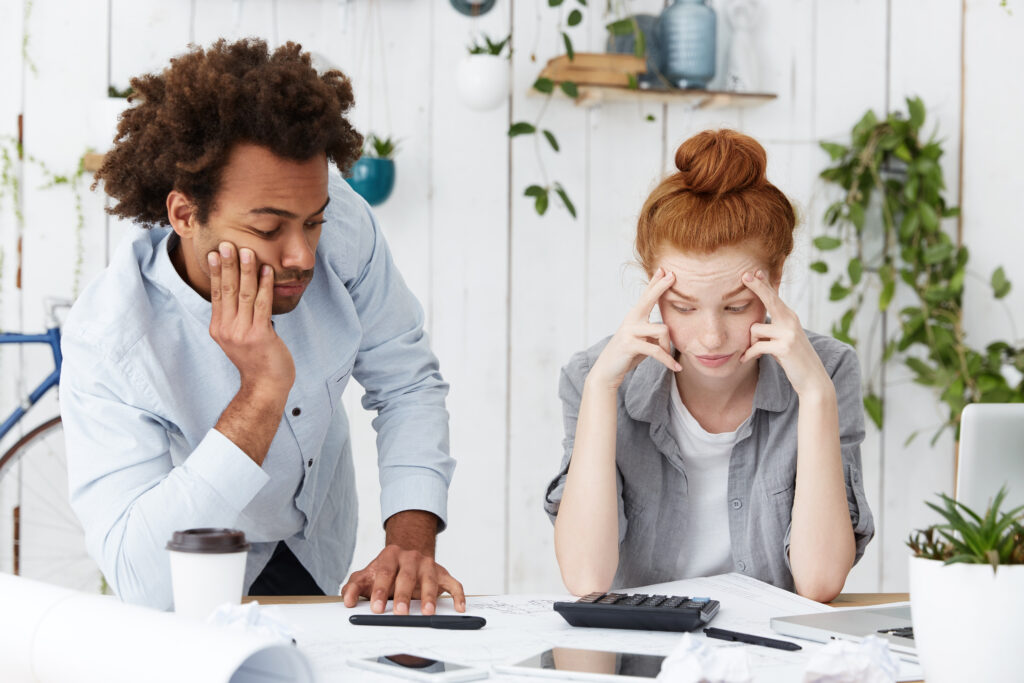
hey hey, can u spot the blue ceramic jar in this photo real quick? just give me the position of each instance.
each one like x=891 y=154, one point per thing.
x=686 y=32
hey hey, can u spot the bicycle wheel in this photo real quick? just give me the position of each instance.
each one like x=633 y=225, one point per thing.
x=41 y=538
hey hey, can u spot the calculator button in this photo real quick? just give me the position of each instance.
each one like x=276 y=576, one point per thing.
x=592 y=597
x=611 y=598
x=653 y=601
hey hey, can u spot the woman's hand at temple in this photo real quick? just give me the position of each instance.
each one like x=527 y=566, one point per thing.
x=637 y=338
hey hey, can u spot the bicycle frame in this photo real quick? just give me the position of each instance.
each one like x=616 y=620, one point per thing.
x=51 y=337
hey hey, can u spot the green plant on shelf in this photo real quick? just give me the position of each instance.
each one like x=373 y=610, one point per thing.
x=380 y=148
x=489 y=47
x=889 y=218
x=995 y=539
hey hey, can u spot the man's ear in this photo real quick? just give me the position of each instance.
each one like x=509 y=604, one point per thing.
x=181 y=213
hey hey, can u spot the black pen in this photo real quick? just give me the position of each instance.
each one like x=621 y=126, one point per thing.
x=722 y=634
x=449 y=621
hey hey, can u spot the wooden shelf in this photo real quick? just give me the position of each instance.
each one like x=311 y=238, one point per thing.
x=92 y=161
x=594 y=95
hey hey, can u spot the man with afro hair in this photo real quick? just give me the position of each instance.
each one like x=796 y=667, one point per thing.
x=204 y=368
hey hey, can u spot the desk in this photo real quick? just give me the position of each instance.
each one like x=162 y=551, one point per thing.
x=317 y=652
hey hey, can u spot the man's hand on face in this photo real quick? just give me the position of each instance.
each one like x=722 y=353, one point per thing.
x=406 y=575
x=242 y=294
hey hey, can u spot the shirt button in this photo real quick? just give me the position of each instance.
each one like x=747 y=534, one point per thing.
x=296 y=411
x=741 y=565
x=309 y=463
x=736 y=503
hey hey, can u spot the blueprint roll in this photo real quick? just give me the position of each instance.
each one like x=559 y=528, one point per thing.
x=53 y=634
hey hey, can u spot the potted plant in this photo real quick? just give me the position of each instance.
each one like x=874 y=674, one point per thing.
x=483 y=76
x=967 y=593
x=373 y=175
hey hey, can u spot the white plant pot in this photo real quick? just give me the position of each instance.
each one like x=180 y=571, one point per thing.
x=482 y=81
x=968 y=621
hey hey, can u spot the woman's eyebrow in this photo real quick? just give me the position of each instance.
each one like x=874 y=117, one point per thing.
x=736 y=292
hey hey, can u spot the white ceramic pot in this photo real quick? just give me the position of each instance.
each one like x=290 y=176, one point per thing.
x=483 y=81
x=968 y=621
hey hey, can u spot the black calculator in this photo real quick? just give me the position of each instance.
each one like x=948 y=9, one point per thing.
x=639 y=611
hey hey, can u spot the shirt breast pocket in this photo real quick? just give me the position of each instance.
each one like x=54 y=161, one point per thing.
x=336 y=383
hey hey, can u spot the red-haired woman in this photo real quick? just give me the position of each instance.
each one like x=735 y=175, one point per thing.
x=725 y=438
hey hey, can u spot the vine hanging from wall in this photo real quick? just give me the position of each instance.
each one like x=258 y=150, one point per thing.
x=889 y=168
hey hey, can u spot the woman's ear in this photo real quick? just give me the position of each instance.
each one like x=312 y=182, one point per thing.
x=181 y=214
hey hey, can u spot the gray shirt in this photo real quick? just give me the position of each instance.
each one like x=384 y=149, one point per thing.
x=652 y=483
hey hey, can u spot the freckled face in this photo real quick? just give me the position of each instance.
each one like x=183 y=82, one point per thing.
x=708 y=310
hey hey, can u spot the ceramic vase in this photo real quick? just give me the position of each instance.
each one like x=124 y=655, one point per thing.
x=373 y=179
x=968 y=620
x=482 y=81
x=686 y=33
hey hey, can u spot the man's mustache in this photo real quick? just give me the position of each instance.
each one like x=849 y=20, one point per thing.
x=293 y=275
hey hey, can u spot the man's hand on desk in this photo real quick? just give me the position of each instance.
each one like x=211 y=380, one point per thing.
x=405 y=569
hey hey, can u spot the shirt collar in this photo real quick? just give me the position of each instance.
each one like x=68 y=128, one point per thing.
x=648 y=399
x=162 y=271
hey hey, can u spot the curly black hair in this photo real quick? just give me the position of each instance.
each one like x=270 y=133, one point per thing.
x=185 y=121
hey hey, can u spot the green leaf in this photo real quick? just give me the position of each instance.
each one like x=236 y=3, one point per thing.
x=819 y=267
x=544 y=85
x=633 y=84
x=554 y=3
x=1000 y=285
x=903 y=154
x=916 y=107
x=541 y=205
x=521 y=128
x=560 y=191
x=937 y=253
x=622 y=27
x=929 y=219
x=873 y=407
x=925 y=373
x=909 y=224
x=855 y=270
x=534 y=191
x=826 y=243
x=568 y=46
x=575 y=17
x=551 y=139
x=640 y=46
x=888 y=287
x=570 y=89
x=857 y=216
x=838 y=292
x=650 y=117
x=835 y=152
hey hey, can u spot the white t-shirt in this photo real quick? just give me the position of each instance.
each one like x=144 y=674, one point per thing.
x=704 y=545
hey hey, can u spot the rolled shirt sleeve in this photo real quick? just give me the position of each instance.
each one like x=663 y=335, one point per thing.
x=403 y=384
x=124 y=487
x=570 y=391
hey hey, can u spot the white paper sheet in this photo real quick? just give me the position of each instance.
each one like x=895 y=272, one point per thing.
x=53 y=634
x=519 y=626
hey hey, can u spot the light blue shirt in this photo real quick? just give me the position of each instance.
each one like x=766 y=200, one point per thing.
x=143 y=384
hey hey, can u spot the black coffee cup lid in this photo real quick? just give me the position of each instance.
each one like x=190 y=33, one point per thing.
x=208 y=541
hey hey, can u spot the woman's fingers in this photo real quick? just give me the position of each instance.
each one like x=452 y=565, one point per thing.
x=759 y=349
x=659 y=284
x=655 y=351
x=757 y=282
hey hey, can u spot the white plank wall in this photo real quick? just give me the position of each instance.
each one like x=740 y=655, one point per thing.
x=508 y=295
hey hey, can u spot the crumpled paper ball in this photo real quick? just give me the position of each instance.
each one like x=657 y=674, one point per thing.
x=695 y=661
x=252 y=618
x=843 y=661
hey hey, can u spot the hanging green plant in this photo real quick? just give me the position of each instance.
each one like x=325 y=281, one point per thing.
x=888 y=169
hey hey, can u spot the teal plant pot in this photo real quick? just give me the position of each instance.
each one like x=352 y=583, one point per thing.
x=373 y=179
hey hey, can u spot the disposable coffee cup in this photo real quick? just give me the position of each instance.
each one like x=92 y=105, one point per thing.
x=207 y=569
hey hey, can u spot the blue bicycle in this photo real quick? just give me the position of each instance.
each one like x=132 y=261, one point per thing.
x=40 y=537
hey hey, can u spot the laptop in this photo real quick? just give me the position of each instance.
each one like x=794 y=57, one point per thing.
x=991 y=456
x=889 y=622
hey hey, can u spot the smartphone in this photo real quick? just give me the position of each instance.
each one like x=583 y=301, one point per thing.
x=419 y=668
x=587 y=665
